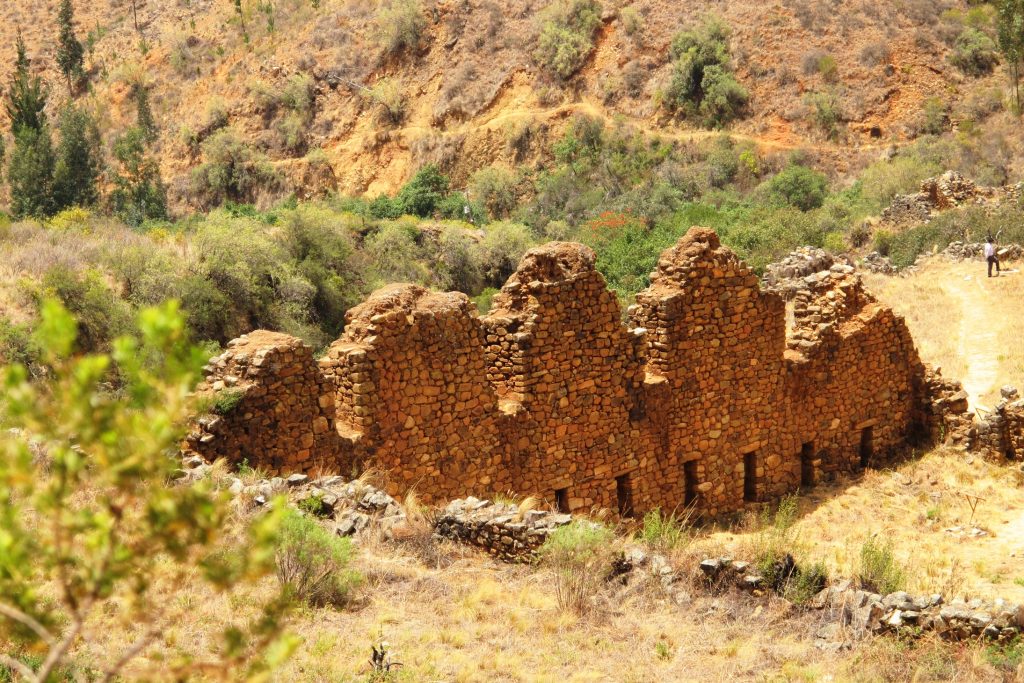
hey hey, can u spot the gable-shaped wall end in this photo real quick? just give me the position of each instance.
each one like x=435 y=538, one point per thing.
x=699 y=398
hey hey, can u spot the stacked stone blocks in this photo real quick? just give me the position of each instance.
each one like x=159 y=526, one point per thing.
x=701 y=398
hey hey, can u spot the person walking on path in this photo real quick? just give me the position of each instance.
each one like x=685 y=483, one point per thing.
x=991 y=257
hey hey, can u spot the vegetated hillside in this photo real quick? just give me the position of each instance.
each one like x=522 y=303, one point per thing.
x=355 y=95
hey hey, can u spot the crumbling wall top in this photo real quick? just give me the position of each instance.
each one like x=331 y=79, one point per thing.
x=401 y=301
x=554 y=263
x=696 y=253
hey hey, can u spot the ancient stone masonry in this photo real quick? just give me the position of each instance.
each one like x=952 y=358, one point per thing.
x=944 y=192
x=963 y=251
x=278 y=407
x=500 y=529
x=786 y=276
x=702 y=398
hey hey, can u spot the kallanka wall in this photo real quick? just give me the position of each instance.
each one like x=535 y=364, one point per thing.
x=710 y=395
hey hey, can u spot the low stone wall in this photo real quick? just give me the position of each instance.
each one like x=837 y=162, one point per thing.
x=500 y=529
x=858 y=613
x=864 y=613
x=964 y=251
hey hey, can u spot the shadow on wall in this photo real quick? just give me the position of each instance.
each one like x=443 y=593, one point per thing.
x=700 y=399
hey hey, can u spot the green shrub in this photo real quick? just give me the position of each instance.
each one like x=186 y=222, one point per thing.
x=485 y=299
x=454 y=265
x=883 y=242
x=724 y=99
x=400 y=24
x=390 y=97
x=227 y=400
x=974 y=53
x=313 y=563
x=314 y=505
x=775 y=539
x=421 y=195
x=232 y=171
x=828 y=68
x=903 y=174
x=798 y=186
x=1006 y=656
x=566 y=36
x=499 y=252
x=325 y=256
x=826 y=112
x=878 y=570
x=580 y=554
x=934 y=116
x=396 y=254
x=702 y=81
x=494 y=187
x=16 y=344
x=665 y=531
x=88 y=522
x=100 y=312
x=806 y=582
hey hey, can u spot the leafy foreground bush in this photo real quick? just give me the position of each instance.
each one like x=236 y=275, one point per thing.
x=312 y=563
x=88 y=524
x=579 y=553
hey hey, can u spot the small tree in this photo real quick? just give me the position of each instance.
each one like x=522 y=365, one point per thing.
x=30 y=174
x=88 y=517
x=1010 y=27
x=79 y=160
x=798 y=186
x=69 y=50
x=702 y=80
x=241 y=19
x=139 y=192
x=26 y=96
x=143 y=112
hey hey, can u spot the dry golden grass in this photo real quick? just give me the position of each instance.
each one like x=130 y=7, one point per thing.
x=469 y=618
x=924 y=507
x=963 y=321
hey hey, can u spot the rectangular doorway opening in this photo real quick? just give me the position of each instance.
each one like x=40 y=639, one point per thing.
x=624 y=495
x=690 y=483
x=562 y=500
x=807 y=465
x=867 y=446
x=750 y=477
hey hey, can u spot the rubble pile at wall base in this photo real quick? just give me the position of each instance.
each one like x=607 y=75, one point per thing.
x=346 y=507
x=500 y=529
x=944 y=192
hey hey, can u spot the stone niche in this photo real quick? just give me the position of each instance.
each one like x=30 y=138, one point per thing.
x=701 y=397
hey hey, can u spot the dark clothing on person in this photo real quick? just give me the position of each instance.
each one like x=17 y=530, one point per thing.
x=995 y=260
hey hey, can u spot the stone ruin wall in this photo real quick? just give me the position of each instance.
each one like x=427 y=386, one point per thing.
x=283 y=417
x=701 y=398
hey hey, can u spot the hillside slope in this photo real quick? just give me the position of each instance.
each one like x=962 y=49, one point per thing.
x=297 y=85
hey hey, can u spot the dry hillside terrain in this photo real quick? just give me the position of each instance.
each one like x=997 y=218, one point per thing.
x=303 y=83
